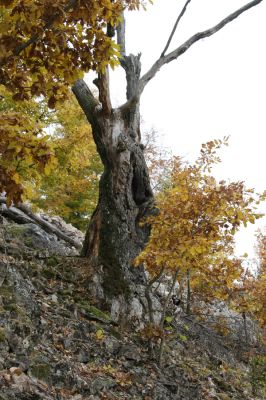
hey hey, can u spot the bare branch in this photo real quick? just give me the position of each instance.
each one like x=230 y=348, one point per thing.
x=186 y=45
x=168 y=297
x=163 y=316
x=174 y=28
x=121 y=36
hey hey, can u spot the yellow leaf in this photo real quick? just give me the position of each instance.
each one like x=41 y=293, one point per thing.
x=16 y=177
x=47 y=169
x=99 y=334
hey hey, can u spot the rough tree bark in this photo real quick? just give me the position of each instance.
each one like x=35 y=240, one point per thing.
x=114 y=236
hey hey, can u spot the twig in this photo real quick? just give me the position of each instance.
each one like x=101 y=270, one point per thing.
x=168 y=297
x=150 y=306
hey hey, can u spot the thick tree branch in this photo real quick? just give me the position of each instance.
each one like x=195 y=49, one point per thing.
x=86 y=100
x=174 y=28
x=121 y=36
x=132 y=67
x=148 y=294
x=186 y=45
x=14 y=214
x=92 y=109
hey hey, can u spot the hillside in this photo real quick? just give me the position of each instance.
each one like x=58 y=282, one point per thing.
x=55 y=342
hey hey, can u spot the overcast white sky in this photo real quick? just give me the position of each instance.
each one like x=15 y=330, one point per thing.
x=217 y=88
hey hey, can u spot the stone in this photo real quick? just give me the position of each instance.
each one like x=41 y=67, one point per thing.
x=54 y=298
x=135 y=309
x=130 y=352
x=83 y=357
x=41 y=372
x=112 y=344
x=100 y=384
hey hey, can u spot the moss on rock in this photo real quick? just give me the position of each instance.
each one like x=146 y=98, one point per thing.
x=41 y=371
x=52 y=261
x=2 y=334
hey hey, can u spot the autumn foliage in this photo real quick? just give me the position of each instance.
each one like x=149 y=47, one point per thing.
x=195 y=227
x=25 y=150
x=71 y=188
x=45 y=46
x=49 y=157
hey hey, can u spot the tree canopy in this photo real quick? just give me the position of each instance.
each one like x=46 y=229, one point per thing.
x=46 y=46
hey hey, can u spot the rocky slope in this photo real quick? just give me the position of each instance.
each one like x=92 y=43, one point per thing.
x=56 y=344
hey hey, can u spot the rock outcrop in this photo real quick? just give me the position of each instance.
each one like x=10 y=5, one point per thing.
x=57 y=344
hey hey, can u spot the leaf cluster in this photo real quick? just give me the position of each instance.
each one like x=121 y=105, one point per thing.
x=25 y=150
x=46 y=45
x=249 y=292
x=198 y=216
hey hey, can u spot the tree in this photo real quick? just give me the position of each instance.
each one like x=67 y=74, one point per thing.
x=193 y=234
x=71 y=188
x=53 y=42
x=46 y=45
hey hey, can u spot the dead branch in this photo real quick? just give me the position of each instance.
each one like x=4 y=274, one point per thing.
x=49 y=228
x=148 y=294
x=174 y=28
x=188 y=43
x=87 y=101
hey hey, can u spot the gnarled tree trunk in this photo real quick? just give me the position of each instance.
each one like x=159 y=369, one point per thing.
x=114 y=237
